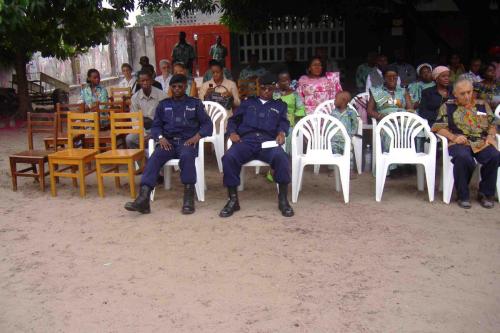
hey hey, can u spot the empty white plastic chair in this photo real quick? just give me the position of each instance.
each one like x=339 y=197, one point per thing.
x=253 y=163
x=327 y=107
x=167 y=170
x=402 y=128
x=318 y=130
x=218 y=115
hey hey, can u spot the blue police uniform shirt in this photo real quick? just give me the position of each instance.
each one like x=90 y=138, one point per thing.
x=252 y=118
x=181 y=119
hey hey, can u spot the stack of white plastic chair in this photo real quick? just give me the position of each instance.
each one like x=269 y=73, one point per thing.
x=318 y=130
x=357 y=141
x=402 y=128
x=253 y=163
x=218 y=115
x=167 y=170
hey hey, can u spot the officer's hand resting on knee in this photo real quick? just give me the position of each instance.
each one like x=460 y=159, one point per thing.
x=280 y=139
x=193 y=141
x=460 y=139
x=235 y=138
x=165 y=144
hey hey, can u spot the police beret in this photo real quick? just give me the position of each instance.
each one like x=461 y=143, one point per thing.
x=178 y=78
x=268 y=78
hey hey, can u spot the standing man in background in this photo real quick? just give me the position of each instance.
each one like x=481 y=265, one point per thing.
x=218 y=51
x=183 y=52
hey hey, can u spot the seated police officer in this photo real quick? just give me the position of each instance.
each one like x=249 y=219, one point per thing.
x=258 y=119
x=179 y=123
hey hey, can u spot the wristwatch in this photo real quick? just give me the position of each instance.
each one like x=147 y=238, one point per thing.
x=160 y=137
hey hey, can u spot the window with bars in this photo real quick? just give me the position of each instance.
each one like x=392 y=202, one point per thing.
x=296 y=34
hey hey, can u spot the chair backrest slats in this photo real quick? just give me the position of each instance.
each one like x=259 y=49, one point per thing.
x=402 y=128
x=41 y=123
x=218 y=114
x=83 y=123
x=127 y=123
x=63 y=109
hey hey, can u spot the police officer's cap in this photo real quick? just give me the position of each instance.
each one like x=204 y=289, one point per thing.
x=268 y=78
x=178 y=78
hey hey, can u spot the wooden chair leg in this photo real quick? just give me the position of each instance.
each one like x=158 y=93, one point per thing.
x=81 y=178
x=117 y=179
x=52 y=179
x=131 y=178
x=33 y=168
x=74 y=170
x=100 y=184
x=41 y=169
x=13 y=172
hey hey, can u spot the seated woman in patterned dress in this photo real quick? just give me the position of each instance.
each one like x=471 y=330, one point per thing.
x=317 y=86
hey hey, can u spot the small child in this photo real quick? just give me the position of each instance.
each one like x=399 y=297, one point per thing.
x=349 y=118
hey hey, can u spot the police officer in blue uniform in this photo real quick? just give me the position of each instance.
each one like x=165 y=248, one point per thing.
x=179 y=123
x=258 y=119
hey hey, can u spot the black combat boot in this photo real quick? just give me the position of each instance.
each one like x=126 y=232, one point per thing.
x=283 y=205
x=188 y=202
x=232 y=204
x=141 y=203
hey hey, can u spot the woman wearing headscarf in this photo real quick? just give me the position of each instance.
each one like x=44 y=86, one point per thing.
x=425 y=81
x=434 y=97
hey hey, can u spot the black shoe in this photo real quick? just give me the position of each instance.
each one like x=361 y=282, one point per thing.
x=486 y=202
x=465 y=204
x=232 y=204
x=141 y=203
x=283 y=205
x=188 y=203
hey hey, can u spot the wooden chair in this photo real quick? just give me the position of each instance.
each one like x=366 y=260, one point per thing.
x=37 y=123
x=122 y=124
x=104 y=109
x=119 y=94
x=76 y=158
x=248 y=87
x=62 y=111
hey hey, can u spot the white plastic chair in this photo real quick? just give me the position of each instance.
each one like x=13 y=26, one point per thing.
x=253 y=163
x=402 y=128
x=327 y=107
x=167 y=170
x=218 y=115
x=318 y=130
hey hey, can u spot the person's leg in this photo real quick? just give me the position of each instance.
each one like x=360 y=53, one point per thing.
x=239 y=154
x=187 y=156
x=489 y=158
x=278 y=160
x=155 y=163
x=463 y=166
x=132 y=141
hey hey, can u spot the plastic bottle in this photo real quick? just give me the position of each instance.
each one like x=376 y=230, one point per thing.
x=367 y=157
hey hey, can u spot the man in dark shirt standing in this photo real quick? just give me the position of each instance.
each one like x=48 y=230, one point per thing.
x=257 y=120
x=179 y=123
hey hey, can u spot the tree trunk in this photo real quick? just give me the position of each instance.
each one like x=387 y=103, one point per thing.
x=22 y=86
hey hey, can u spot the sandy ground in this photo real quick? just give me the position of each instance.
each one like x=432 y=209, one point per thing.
x=402 y=265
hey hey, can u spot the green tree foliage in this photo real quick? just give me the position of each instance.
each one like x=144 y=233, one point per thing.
x=163 y=16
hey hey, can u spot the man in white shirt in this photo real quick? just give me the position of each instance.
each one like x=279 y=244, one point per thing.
x=145 y=100
x=165 y=76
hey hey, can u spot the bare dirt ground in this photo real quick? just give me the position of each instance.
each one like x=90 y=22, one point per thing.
x=402 y=265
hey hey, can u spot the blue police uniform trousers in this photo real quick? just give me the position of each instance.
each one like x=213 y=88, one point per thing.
x=247 y=150
x=464 y=165
x=186 y=154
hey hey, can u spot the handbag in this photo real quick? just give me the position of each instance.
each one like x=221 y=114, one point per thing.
x=225 y=101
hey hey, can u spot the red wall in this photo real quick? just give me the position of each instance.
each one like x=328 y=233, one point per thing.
x=167 y=36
